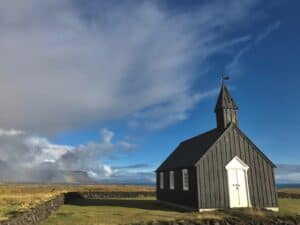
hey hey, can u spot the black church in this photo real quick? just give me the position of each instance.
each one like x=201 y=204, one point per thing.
x=221 y=168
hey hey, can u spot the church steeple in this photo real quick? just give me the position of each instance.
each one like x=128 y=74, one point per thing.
x=226 y=109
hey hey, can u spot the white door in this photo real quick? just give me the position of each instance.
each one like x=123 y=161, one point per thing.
x=237 y=183
x=237 y=188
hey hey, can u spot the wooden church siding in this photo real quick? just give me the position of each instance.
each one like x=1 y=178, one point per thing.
x=253 y=190
x=211 y=179
x=201 y=186
x=268 y=186
x=212 y=175
x=206 y=182
x=256 y=178
x=264 y=184
x=178 y=195
x=274 y=188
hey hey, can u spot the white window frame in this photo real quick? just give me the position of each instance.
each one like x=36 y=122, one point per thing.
x=185 y=179
x=171 y=174
x=161 y=180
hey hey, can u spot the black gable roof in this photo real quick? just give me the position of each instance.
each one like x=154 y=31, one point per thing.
x=190 y=151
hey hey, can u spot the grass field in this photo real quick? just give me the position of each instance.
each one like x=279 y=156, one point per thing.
x=127 y=211
x=289 y=206
x=18 y=198
x=15 y=198
x=118 y=211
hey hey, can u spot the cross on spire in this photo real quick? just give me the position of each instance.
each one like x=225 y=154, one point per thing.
x=224 y=77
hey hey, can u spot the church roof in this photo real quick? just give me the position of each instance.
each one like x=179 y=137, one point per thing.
x=190 y=151
x=225 y=101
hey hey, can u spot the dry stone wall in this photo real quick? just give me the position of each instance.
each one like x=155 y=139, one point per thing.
x=287 y=195
x=229 y=221
x=34 y=216
x=105 y=195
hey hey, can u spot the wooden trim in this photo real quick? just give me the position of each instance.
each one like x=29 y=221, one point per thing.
x=245 y=168
x=161 y=180
x=184 y=187
x=198 y=184
x=209 y=210
x=172 y=179
x=274 y=209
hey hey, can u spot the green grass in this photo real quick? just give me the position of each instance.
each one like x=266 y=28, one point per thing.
x=289 y=206
x=119 y=211
x=127 y=211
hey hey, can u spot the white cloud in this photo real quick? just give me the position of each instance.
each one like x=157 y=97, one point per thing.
x=28 y=154
x=271 y=28
x=107 y=170
x=65 y=66
x=11 y=132
x=172 y=111
x=107 y=135
x=44 y=150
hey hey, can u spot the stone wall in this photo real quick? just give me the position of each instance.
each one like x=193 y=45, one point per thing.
x=35 y=215
x=287 y=195
x=228 y=221
x=104 y=195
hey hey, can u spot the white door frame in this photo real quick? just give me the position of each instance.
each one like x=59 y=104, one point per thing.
x=237 y=163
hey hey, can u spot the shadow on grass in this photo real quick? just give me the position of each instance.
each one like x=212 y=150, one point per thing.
x=127 y=203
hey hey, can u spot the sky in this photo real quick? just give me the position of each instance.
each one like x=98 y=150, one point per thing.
x=112 y=87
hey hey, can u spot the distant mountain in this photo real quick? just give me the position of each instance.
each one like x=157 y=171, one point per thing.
x=68 y=177
x=76 y=177
x=44 y=174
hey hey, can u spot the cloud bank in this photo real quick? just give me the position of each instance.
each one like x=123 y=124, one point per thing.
x=65 y=65
x=29 y=158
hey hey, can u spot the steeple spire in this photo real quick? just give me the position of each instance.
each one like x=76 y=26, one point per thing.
x=226 y=108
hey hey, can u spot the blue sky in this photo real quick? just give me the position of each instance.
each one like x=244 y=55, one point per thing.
x=111 y=88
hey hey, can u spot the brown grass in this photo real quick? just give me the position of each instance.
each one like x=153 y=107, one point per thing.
x=15 y=198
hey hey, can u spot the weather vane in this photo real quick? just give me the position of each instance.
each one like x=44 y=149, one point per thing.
x=224 y=77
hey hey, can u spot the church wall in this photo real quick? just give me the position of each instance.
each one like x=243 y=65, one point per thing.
x=178 y=195
x=212 y=175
